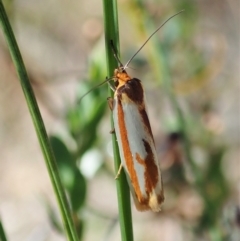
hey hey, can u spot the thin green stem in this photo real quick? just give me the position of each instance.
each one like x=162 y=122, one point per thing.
x=3 y=236
x=39 y=125
x=111 y=33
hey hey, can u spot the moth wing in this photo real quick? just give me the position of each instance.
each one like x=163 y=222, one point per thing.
x=138 y=154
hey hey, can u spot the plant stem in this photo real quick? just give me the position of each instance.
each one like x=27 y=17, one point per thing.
x=3 y=236
x=39 y=125
x=112 y=33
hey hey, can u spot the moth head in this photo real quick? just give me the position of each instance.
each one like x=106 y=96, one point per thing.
x=121 y=76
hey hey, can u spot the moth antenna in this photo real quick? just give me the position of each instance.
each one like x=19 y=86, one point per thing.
x=115 y=53
x=95 y=87
x=126 y=65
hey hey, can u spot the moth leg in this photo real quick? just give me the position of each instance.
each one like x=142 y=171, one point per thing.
x=112 y=131
x=112 y=87
x=110 y=103
x=119 y=171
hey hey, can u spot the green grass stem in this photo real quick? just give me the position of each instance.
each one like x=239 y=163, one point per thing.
x=39 y=125
x=112 y=33
x=3 y=236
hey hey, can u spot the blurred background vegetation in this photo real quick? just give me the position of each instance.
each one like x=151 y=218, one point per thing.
x=190 y=71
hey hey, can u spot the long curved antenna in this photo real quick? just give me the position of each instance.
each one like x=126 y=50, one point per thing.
x=126 y=65
x=104 y=82
x=115 y=53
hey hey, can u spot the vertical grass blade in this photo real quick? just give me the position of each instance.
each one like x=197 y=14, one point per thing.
x=39 y=125
x=3 y=236
x=112 y=33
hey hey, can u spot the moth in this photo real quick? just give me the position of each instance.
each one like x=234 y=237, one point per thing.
x=135 y=139
x=134 y=135
x=136 y=143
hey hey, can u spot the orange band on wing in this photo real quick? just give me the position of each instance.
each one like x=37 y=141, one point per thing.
x=127 y=152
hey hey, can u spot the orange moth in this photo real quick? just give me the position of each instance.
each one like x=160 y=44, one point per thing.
x=135 y=139
x=136 y=143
